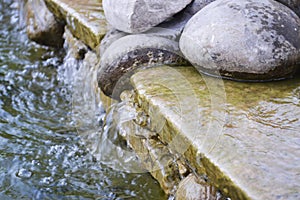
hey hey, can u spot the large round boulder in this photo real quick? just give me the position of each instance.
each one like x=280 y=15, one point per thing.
x=135 y=16
x=292 y=4
x=129 y=53
x=247 y=40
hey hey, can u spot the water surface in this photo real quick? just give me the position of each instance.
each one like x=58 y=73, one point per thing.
x=41 y=154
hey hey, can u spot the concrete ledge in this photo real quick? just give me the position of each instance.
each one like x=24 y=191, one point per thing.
x=84 y=18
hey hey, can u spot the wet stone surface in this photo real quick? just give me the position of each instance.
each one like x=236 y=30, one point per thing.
x=84 y=18
x=245 y=40
x=139 y=16
x=292 y=4
x=41 y=24
x=242 y=136
x=131 y=52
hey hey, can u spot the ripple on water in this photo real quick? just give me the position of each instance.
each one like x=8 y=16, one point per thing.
x=41 y=154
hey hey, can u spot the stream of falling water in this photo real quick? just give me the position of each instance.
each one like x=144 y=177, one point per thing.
x=98 y=130
x=44 y=149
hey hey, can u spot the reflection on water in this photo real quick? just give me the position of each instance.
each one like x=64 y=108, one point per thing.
x=41 y=154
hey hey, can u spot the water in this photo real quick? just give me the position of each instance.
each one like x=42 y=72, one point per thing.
x=42 y=156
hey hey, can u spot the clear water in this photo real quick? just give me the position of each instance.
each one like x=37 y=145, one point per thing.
x=42 y=156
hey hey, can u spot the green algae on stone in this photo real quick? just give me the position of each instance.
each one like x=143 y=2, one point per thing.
x=84 y=18
x=247 y=146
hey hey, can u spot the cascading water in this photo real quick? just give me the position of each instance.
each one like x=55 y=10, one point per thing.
x=49 y=112
x=98 y=130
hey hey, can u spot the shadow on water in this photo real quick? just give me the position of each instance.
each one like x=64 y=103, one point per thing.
x=41 y=154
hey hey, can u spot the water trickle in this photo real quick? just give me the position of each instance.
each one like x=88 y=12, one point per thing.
x=47 y=107
x=98 y=130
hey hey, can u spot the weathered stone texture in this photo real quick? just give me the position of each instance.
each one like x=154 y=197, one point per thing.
x=247 y=40
x=130 y=53
x=292 y=4
x=84 y=18
x=42 y=27
x=192 y=188
x=138 y=16
x=243 y=143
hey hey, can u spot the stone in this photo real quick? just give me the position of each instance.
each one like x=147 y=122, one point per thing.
x=166 y=32
x=111 y=36
x=254 y=40
x=84 y=18
x=242 y=138
x=124 y=56
x=173 y=27
x=292 y=4
x=138 y=16
x=76 y=49
x=42 y=26
x=192 y=188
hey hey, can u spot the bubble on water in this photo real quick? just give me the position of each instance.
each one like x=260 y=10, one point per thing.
x=47 y=180
x=24 y=173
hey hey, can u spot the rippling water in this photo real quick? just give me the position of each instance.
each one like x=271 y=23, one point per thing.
x=41 y=154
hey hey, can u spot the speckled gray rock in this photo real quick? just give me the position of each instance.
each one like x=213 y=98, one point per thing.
x=173 y=27
x=135 y=16
x=292 y=4
x=41 y=24
x=131 y=52
x=247 y=40
x=170 y=29
x=140 y=50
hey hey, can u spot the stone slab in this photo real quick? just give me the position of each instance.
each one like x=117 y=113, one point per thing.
x=243 y=137
x=84 y=18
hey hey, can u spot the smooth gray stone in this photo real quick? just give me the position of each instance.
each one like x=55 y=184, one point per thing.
x=130 y=53
x=252 y=40
x=170 y=29
x=173 y=27
x=136 y=16
x=111 y=36
x=292 y=4
x=42 y=26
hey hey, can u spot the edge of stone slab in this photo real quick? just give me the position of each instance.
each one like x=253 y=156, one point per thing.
x=78 y=24
x=201 y=163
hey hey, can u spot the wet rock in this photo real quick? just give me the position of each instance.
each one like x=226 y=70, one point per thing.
x=139 y=16
x=84 y=18
x=173 y=27
x=111 y=36
x=246 y=40
x=252 y=152
x=42 y=26
x=143 y=51
x=191 y=188
x=75 y=47
x=292 y=4
x=130 y=53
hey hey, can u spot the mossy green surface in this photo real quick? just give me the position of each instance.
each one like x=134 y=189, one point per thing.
x=244 y=137
x=84 y=18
